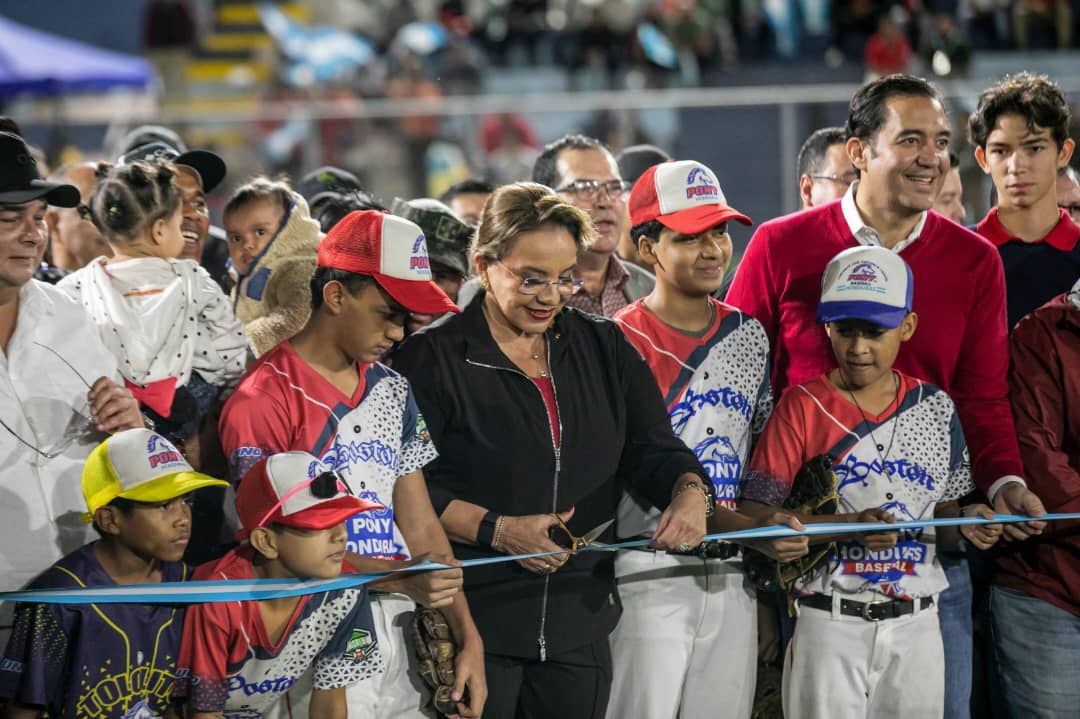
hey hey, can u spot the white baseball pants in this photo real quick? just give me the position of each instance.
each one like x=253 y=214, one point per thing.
x=686 y=644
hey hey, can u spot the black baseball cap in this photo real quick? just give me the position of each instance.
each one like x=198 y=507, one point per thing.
x=327 y=181
x=20 y=180
x=207 y=165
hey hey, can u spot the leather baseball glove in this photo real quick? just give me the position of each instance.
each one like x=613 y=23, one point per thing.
x=435 y=653
x=813 y=491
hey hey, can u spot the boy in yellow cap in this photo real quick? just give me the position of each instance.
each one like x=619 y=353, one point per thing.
x=112 y=660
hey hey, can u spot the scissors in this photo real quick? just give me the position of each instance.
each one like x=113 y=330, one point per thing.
x=561 y=535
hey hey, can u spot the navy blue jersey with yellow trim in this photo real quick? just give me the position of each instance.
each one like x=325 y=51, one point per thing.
x=107 y=661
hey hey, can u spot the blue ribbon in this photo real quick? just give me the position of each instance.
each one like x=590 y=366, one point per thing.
x=237 y=590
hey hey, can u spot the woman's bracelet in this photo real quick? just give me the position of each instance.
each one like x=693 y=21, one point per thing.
x=710 y=503
x=497 y=540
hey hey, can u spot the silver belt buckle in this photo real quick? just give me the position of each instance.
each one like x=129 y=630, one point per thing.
x=866 y=609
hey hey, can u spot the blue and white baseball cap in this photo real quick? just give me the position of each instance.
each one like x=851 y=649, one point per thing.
x=867 y=283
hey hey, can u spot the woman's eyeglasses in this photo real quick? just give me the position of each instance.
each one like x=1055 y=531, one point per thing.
x=536 y=285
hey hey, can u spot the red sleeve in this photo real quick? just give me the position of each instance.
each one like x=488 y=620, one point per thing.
x=253 y=424
x=754 y=288
x=779 y=453
x=1036 y=387
x=204 y=654
x=980 y=384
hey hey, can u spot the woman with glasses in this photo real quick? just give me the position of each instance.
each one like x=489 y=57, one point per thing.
x=541 y=415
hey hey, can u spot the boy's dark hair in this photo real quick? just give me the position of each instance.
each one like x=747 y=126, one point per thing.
x=813 y=150
x=130 y=198
x=123 y=505
x=260 y=189
x=332 y=210
x=323 y=276
x=866 y=112
x=471 y=186
x=1033 y=97
x=544 y=170
x=650 y=230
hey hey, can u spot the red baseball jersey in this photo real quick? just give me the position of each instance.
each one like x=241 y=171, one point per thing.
x=905 y=460
x=716 y=388
x=372 y=437
x=229 y=664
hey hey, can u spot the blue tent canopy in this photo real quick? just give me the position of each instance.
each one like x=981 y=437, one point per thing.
x=41 y=63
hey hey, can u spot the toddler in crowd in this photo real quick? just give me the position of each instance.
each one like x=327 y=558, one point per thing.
x=240 y=659
x=867 y=642
x=175 y=337
x=110 y=660
x=272 y=244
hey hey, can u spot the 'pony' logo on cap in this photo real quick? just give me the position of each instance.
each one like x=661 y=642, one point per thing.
x=312 y=470
x=866 y=275
x=167 y=456
x=418 y=260
x=706 y=187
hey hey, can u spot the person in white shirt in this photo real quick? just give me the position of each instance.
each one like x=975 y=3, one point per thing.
x=58 y=394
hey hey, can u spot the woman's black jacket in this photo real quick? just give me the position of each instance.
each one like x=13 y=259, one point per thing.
x=489 y=424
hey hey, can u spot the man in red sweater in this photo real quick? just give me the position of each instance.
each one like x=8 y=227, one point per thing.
x=899 y=142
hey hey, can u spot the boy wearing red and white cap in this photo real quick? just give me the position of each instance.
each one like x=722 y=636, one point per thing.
x=868 y=642
x=711 y=362
x=325 y=392
x=110 y=660
x=242 y=658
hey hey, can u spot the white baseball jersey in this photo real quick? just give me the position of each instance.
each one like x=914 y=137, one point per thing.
x=372 y=438
x=716 y=388
x=905 y=460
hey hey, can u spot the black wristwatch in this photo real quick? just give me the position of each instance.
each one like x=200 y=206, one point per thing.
x=485 y=534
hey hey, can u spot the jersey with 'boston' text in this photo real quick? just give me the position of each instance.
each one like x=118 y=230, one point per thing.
x=906 y=460
x=716 y=388
x=230 y=665
x=372 y=437
x=93 y=661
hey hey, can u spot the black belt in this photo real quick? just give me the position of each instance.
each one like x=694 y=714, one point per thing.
x=870 y=611
x=706 y=550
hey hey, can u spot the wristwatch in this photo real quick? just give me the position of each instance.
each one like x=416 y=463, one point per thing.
x=485 y=534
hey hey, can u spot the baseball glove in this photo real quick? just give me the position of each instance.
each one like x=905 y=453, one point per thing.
x=435 y=654
x=813 y=491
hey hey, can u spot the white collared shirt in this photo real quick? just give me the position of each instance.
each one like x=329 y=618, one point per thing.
x=43 y=403
x=867 y=235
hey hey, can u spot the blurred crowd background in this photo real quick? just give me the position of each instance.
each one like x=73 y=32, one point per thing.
x=415 y=95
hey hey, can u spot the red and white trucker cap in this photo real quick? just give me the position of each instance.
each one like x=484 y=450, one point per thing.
x=390 y=249
x=297 y=490
x=684 y=196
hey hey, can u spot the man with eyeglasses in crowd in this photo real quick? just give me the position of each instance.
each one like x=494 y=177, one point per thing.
x=1068 y=192
x=58 y=397
x=74 y=240
x=825 y=170
x=585 y=174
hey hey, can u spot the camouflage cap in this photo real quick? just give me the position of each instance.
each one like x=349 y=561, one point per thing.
x=448 y=236
x=327 y=181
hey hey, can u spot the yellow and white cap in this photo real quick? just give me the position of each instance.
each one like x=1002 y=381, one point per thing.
x=139 y=465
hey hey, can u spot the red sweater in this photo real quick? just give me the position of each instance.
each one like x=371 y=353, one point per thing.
x=1045 y=392
x=960 y=344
